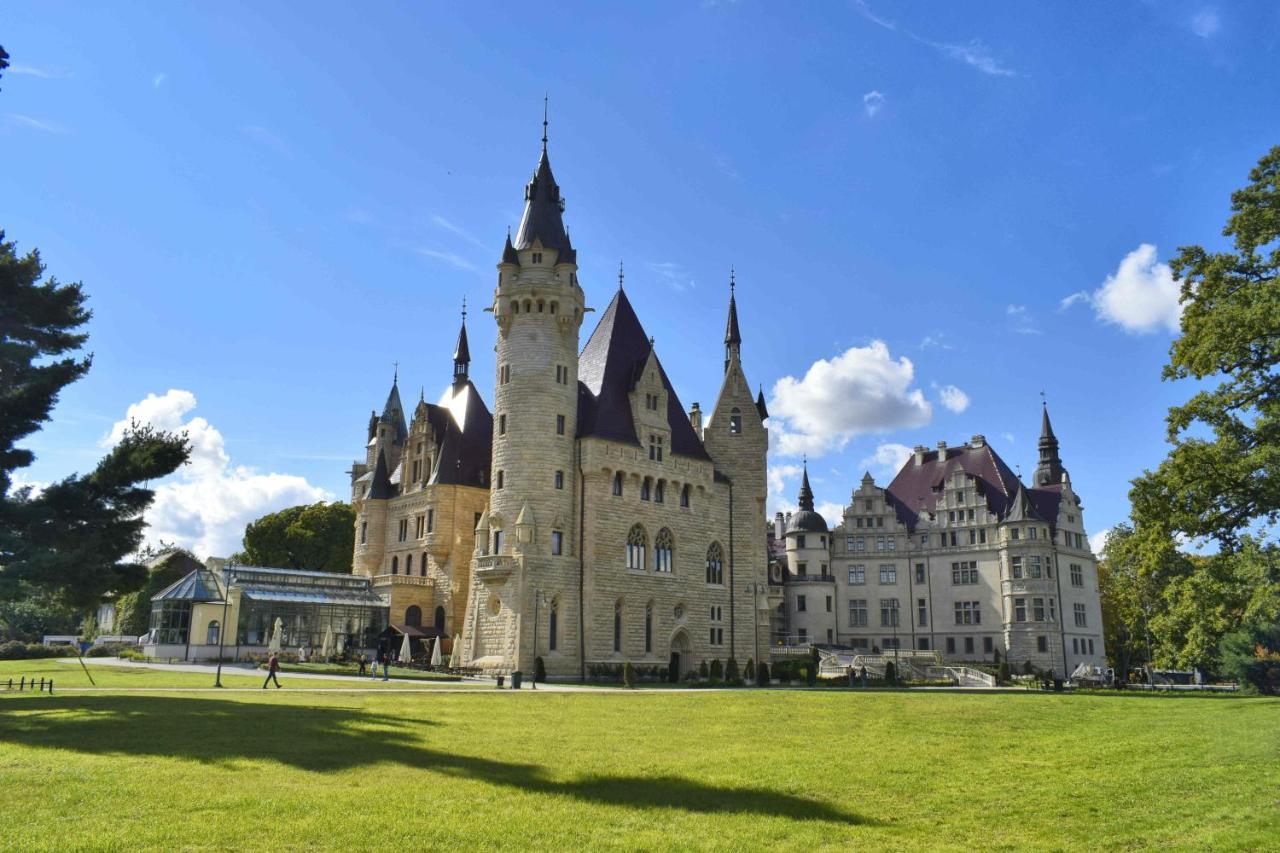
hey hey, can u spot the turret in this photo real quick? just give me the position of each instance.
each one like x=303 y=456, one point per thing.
x=732 y=337
x=462 y=352
x=1049 y=471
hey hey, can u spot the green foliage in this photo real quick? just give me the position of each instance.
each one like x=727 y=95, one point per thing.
x=890 y=674
x=995 y=657
x=319 y=537
x=628 y=674
x=1222 y=486
x=717 y=670
x=133 y=610
x=1251 y=656
x=1028 y=668
x=539 y=670
x=74 y=537
x=703 y=671
x=34 y=613
x=1004 y=675
x=731 y=674
x=14 y=650
x=762 y=674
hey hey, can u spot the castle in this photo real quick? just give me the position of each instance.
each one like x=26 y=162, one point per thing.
x=954 y=556
x=590 y=519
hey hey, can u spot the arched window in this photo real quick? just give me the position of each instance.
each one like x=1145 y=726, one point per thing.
x=663 y=551
x=395 y=565
x=617 y=484
x=637 y=543
x=659 y=491
x=423 y=564
x=515 y=307
x=413 y=616
x=408 y=564
x=440 y=620
x=554 y=626
x=715 y=564
x=684 y=496
x=212 y=638
x=646 y=488
x=617 y=626
x=648 y=628
x=735 y=421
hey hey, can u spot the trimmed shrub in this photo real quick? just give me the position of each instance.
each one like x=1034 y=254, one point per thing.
x=995 y=657
x=811 y=674
x=15 y=650
x=1004 y=675
x=749 y=671
x=1027 y=668
x=762 y=674
x=890 y=674
x=731 y=673
x=717 y=670
x=539 y=670
x=628 y=674
x=703 y=672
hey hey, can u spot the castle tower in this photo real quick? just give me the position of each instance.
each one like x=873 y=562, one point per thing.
x=1049 y=472
x=736 y=438
x=530 y=552
x=810 y=585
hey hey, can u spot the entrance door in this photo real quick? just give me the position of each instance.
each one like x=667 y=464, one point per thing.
x=673 y=668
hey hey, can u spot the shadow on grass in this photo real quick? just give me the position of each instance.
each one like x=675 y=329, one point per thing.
x=321 y=739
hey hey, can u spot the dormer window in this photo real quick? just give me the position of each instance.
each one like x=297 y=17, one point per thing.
x=537 y=257
x=735 y=421
x=655 y=448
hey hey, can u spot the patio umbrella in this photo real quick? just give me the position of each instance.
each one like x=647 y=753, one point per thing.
x=326 y=645
x=342 y=644
x=435 y=652
x=455 y=652
x=406 y=650
x=274 y=646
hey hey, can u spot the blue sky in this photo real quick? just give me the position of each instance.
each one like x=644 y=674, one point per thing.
x=269 y=204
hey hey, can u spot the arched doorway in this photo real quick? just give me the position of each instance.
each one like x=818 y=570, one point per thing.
x=413 y=616
x=681 y=655
x=440 y=620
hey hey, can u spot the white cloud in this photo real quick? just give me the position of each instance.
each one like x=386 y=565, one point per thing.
x=1141 y=296
x=458 y=231
x=267 y=138
x=973 y=53
x=862 y=390
x=451 y=258
x=953 y=398
x=1098 y=541
x=42 y=73
x=1008 y=436
x=207 y=503
x=34 y=123
x=158 y=80
x=1206 y=23
x=872 y=102
x=887 y=459
x=1020 y=320
x=938 y=341
x=830 y=510
x=673 y=275
x=1078 y=296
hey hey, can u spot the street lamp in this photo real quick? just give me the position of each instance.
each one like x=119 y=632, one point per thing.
x=754 y=590
x=897 y=673
x=222 y=629
x=537 y=599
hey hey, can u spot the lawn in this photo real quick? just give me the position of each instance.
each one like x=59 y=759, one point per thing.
x=689 y=769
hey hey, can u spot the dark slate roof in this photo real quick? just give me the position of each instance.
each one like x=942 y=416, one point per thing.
x=543 y=214
x=607 y=371
x=731 y=333
x=1046 y=500
x=805 y=520
x=509 y=255
x=760 y=406
x=463 y=428
x=380 y=488
x=912 y=490
x=1022 y=508
x=462 y=352
x=393 y=414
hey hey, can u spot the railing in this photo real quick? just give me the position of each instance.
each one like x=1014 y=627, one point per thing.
x=964 y=673
x=494 y=566
x=811 y=579
x=410 y=580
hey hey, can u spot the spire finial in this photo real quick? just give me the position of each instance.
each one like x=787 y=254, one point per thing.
x=732 y=281
x=395 y=379
x=545 y=99
x=464 y=309
x=1043 y=401
x=620 y=275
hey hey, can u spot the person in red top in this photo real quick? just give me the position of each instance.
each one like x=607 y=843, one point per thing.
x=273 y=666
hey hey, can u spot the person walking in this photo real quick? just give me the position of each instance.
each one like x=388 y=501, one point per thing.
x=364 y=664
x=273 y=666
x=386 y=667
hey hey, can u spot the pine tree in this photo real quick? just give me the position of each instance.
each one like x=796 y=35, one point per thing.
x=74 y=537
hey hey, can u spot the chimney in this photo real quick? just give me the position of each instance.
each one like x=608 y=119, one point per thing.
x=978 y=441
x=919 y=454
x=779 y=526
x=942 y=450
x=695 y=418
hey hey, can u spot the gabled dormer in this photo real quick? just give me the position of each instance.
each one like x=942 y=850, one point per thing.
x=649 y=400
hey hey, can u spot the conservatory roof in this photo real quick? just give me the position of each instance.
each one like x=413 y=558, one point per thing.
x=199 y=585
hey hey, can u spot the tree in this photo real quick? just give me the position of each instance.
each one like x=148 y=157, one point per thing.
x=1222 y=486
x=319 y=537
x=890 y=674
x=4 y=58
x=73 y=538
x=34 y=613
x=133 y=610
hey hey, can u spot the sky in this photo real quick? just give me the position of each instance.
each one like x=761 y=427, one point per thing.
x=935 y=212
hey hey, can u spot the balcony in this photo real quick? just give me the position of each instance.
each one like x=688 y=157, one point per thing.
x=495 y=568
x=401 y=580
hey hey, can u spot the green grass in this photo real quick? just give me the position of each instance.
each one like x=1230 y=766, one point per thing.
x=351 y=669
x=68 y=675
x=638 y=769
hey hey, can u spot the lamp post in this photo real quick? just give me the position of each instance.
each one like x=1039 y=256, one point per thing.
x=897 y=667
x=537 y=600
x=754 y=590
x=222 y=629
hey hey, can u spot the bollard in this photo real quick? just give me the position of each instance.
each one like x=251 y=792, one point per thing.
x=41 y=685
x=22 y=685
x=50 y=686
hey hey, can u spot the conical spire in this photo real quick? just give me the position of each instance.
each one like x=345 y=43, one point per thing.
x=543 y=208
x=381 y=488
x=509 y=255
x=393 y=411
x=806 y=493
x=732 y=337
x=461 y=352
x=760 y=406
x=1049 y=471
